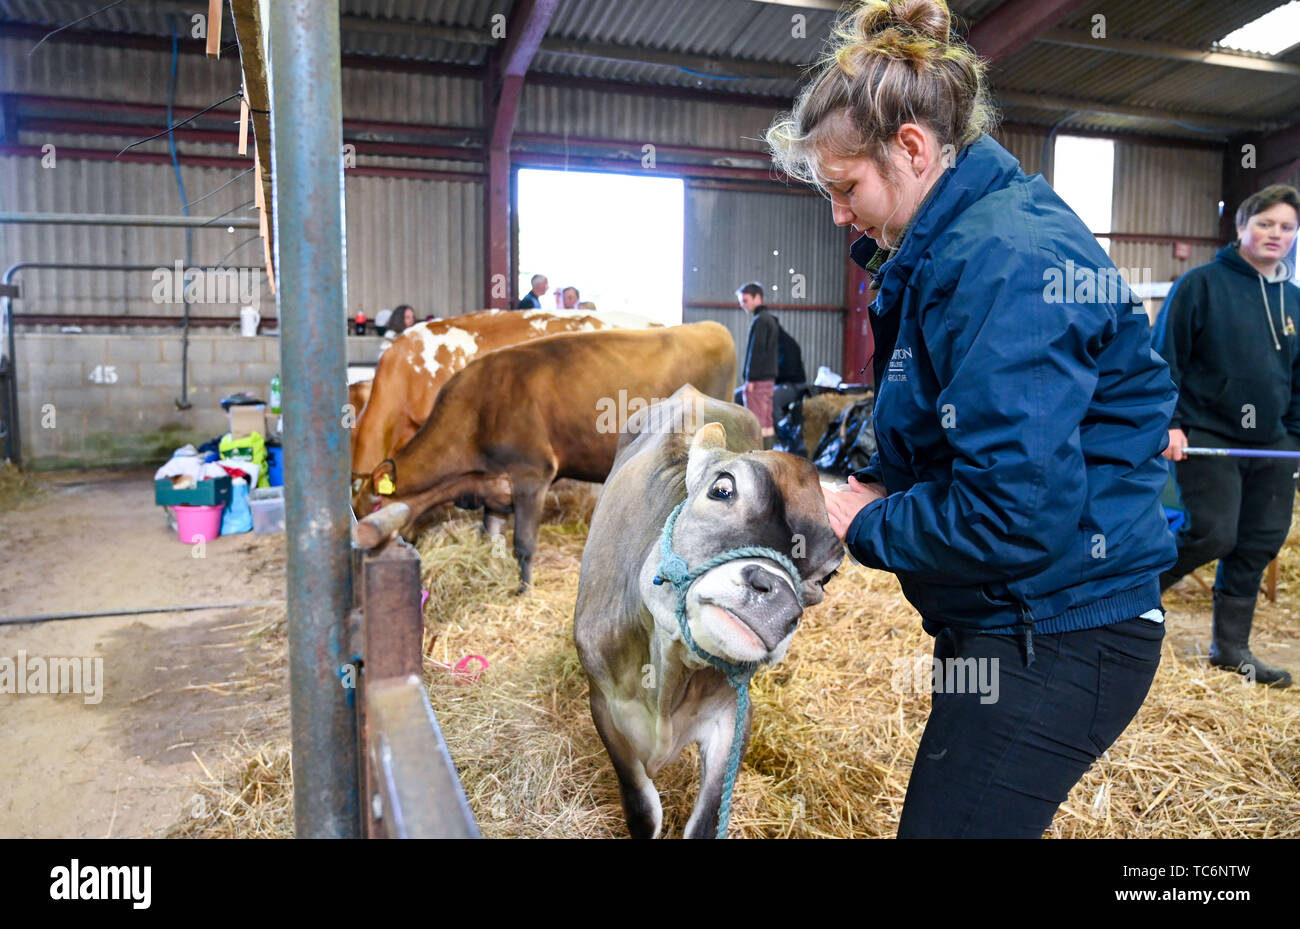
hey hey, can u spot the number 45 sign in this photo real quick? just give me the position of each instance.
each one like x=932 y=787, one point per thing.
x=104 y=374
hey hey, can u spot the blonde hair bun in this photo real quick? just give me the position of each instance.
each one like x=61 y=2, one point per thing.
x=929 y=18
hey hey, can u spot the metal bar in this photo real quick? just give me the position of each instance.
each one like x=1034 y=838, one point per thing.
x=185 y=608
x=731 y=305
x=125 y=219
x=1241 y=452
x=1050 y=102
x=212 y=161
x=422 y=797
x=1082 y=38
x=1159 y=238
x=307 y=184
x=91 y=319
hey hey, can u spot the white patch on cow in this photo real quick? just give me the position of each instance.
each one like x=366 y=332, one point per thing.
x=587 y=327
x=539 y=325
x=454 y=340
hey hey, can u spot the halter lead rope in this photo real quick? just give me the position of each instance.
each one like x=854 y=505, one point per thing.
x=674 y=569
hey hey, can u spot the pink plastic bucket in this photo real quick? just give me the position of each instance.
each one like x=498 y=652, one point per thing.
x=195 y=521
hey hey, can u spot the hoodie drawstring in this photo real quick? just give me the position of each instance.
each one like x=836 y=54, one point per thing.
x=1268 y=312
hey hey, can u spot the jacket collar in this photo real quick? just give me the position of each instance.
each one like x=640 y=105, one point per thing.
x=980 y=168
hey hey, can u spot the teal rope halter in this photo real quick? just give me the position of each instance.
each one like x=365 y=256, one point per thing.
x=674 y=569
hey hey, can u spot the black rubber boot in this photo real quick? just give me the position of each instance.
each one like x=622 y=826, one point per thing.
x=1231 y=645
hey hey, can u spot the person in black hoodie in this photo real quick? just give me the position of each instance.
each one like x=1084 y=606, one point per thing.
x=1228 y=331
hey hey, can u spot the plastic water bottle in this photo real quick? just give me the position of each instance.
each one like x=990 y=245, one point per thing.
x=275 y=394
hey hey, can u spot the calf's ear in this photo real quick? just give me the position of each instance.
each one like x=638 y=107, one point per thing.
x=707 y=441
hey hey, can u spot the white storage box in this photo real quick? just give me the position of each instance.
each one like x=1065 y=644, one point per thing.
x=267 y=504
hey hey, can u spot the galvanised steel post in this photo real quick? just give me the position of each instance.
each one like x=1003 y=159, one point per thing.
x=307 y=183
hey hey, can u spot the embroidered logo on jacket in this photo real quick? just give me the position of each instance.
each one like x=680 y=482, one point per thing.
x=896 y=370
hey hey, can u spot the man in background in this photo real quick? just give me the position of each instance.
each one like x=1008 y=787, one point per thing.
x=532 y=300
x=762 y=358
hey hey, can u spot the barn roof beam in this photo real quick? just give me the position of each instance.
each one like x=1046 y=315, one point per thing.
x=503 y=85
x=1045 y=102
x=1016 y=23
x=1079 y=38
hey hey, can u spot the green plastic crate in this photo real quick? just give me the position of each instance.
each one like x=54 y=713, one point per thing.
x=211 y=492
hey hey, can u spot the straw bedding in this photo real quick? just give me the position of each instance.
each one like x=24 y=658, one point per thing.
x=833 y=741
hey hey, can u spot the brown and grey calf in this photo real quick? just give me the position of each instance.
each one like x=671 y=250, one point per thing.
x=651 y=695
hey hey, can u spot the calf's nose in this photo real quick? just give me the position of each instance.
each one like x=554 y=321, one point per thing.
x=760 y=580
x=773 y=611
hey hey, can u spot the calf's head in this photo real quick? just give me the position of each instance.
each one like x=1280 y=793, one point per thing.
x=747 y=609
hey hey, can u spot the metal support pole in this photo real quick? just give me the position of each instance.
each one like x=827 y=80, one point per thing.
x=307 y=185
x=126 y=219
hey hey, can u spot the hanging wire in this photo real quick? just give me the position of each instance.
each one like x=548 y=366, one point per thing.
x=221 y=188
x=188 y=119
x=248 y=241
x=227 y=213
x=107 y=6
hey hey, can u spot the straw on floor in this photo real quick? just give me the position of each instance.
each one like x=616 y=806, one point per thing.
x=835 y=727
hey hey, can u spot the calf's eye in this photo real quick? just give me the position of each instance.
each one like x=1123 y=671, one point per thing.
x=724 y=488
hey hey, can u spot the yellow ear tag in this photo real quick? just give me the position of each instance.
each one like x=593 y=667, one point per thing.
x=385 y=485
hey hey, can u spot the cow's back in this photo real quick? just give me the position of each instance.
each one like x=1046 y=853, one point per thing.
x=414 y=369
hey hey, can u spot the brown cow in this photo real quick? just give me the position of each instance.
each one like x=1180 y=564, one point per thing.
x=422 y=359
x=516 y=419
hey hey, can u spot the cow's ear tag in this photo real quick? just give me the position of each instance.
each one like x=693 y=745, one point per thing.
x=385 y=485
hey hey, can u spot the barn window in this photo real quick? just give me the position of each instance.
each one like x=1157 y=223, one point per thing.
x=616 y=237
x=1084 y=177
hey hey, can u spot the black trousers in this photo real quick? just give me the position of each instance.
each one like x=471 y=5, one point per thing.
x=1000 y=768
x=1239 y=511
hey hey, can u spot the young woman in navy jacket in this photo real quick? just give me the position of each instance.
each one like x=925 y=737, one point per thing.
x=1020 y=418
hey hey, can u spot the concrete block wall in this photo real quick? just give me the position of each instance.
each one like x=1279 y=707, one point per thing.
x=95 y=400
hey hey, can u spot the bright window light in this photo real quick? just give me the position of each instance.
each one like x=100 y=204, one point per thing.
x=1275 y=31
x=618 y=238
x=1084 y=177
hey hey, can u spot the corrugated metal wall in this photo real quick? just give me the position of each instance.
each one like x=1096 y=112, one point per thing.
x=1026 y=146
x=581 y=112
x=1164 y=190
x=408 y=240
x=733 y=237
x=820 y=335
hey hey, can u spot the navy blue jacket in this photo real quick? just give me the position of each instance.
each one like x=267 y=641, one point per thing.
x=1019 y=420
